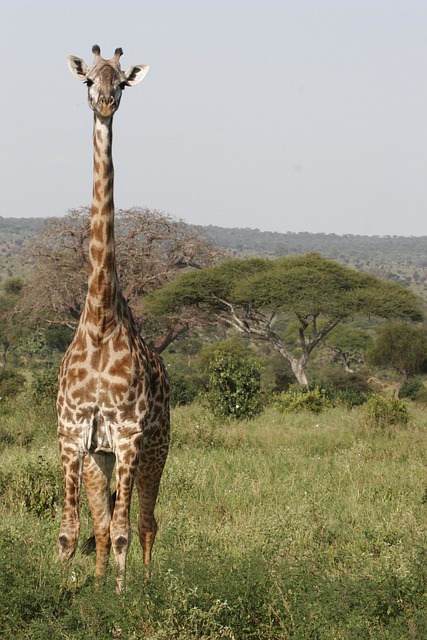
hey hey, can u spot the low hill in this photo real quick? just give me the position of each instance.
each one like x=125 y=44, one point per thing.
x=399 y=258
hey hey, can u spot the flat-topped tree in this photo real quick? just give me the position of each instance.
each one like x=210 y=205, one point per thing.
x=317 y=293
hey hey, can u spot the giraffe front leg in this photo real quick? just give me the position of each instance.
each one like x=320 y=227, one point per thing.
x=120 y=531
x=72 y=465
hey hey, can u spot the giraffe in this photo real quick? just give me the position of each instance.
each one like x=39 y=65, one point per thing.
x=113 y=390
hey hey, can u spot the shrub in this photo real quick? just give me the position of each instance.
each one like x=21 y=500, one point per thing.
x=312 y=399
x=421 y=395
x=38 y=486
x=411 y=389
x=383 y=412
x=11 y=383
x=348 y=388
x=44 y=385
x=183 y=390
x=350 y=397
x=41 y=487
x=234 y=387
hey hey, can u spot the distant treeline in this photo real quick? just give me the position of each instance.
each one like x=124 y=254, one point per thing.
x=331 y=244
x=401 y=258
x=274 y=243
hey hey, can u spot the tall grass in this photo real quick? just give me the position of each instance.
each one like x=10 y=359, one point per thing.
x=290 y=526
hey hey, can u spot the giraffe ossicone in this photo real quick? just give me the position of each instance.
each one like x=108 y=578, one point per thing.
x=113 y=390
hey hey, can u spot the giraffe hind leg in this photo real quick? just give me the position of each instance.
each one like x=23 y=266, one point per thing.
x=97 y=474
x=89 y=545
x=150 y=468
x=120 y=529
x=72 y=464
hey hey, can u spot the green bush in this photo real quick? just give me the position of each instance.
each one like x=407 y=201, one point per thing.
x=44 y=385
x=312 y=399
x=383 y=412
x=349 y=397
x=11 y=383
x=350 y=389
x=411 y=389
x=184 y=390
x=421 y=395
x=39 y=486
x=234 y=387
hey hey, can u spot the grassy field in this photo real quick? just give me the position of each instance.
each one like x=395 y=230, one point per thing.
x=290 y=526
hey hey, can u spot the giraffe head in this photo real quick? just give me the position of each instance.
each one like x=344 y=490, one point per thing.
x=105 y=80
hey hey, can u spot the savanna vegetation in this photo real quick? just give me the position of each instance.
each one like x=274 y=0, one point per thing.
x=292 y=506
x=292 y=525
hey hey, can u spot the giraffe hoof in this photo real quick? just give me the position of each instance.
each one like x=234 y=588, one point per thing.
x=67 y=546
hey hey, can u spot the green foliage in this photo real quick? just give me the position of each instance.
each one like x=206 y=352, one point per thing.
x=305 y=285
x=58 y=338
x=348 y=397
x=184 y=390
x=308 y=285
x=23 y=424
x=348 y=388
x=234 y=387
x=31 y=342
x=41 y=487
x=37 y=486
x=236 y=346
x=382 y=412
x=412 y=389
x=277 y=375
x=11 y=383
x=421 y=395
x=348 y=338
x=312 y=399
x=44 y=385
x=400 y=345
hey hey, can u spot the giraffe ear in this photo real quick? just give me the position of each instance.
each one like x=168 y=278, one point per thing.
x=78 y=67
x=135 y=74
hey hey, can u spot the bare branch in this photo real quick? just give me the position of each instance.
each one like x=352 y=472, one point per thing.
x=151 y=248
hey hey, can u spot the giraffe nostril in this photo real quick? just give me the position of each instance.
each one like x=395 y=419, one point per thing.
x=106 y=101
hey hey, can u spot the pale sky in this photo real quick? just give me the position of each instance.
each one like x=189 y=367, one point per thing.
x=282 y=115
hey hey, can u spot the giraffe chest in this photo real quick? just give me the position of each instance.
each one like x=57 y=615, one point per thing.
x=103 y=393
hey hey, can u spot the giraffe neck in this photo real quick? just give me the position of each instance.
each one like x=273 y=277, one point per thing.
x=103 y=288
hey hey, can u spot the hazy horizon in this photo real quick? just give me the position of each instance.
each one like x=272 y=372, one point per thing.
x=256 y=229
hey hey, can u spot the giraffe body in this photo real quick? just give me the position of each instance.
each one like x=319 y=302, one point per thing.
x=113 y=391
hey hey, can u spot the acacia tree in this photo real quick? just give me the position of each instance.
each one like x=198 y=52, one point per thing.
x=402 y=347
x=250 y=295
x=151 y=248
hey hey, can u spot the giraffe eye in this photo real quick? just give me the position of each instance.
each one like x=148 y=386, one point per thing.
x=89 y=82
x=123 y=85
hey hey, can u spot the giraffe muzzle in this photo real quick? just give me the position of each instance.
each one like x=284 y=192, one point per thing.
x=106 y=105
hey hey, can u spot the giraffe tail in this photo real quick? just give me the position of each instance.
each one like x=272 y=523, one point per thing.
x=89 y=545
